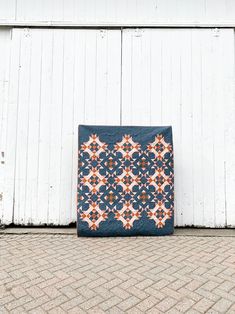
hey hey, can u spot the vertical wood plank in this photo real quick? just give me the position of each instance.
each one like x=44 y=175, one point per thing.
x=198 y=39
x=67 y=129
x=220 y=65
x=5 y=41
x=90 y=76
x=156 y=77
x=186 y=157
x=45 y=127
x=112 y=77
x=56 y=127
x=207 y=132
x=171 y=107
x=140 y=114
x=136 y=58
x=126 y=93
x=229 y=112
x=101 y=76
x=12 y=120
x=103 y=72
x=22 y=128
x=34 y=86
x=78 y=110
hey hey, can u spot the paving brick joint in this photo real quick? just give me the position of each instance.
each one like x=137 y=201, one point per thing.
x=60 y=273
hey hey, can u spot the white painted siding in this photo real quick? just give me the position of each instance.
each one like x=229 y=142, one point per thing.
x=118 y=12
x=6 y=198
x=184 y=78
x=59 y=78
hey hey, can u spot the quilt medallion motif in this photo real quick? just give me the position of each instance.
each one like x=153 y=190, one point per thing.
x=125 y=181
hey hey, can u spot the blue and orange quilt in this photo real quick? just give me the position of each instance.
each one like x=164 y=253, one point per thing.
x=125 y=181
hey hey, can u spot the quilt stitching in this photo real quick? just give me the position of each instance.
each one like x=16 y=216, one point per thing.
x=125 y=179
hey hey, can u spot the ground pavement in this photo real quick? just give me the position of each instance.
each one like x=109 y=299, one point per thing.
x=53 y=271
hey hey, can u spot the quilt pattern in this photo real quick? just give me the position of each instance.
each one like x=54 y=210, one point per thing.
x=125 y=181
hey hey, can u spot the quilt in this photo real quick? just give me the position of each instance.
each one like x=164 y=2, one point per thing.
x=125 y=181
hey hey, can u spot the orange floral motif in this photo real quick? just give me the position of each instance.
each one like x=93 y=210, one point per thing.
x=131 y=182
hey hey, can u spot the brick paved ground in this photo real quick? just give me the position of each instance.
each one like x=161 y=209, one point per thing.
x=51 y=273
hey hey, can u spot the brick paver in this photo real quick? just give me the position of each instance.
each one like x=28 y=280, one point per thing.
x=53 y=273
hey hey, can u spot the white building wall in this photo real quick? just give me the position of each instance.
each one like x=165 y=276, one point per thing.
x=53 y=79
x=185 y=78
x=118 y=12
x=58 y=79
x=5 y=108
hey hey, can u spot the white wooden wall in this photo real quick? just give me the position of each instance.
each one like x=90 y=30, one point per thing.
x=118 y=12
x=55 y=79
x=5 y=37
x=185 y=78
x=58 y=79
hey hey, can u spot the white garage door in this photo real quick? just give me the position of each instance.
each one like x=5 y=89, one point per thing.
x=60 y=78
x=185 y=78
